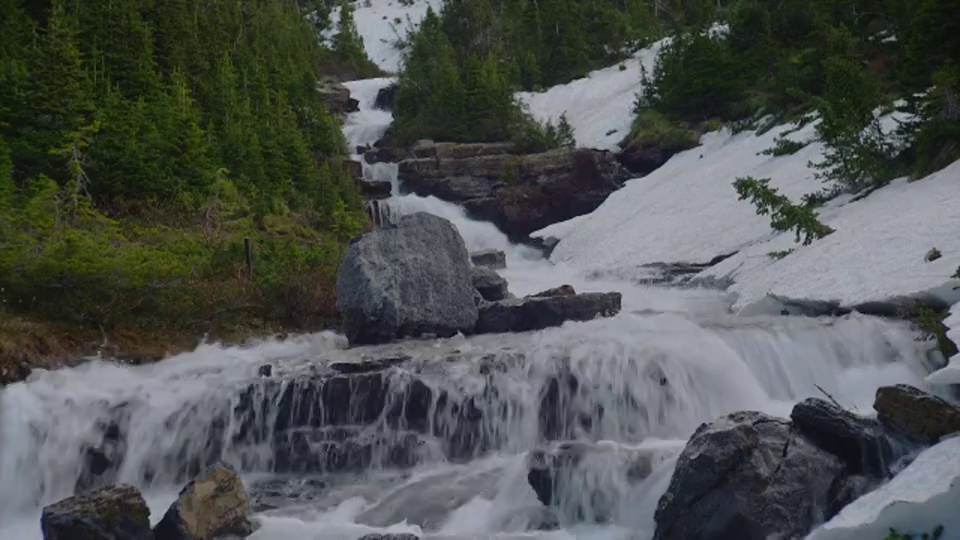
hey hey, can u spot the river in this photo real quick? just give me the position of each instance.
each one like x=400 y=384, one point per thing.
x=633 y=387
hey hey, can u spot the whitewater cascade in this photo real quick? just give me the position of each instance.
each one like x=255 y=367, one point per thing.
x=433 y=437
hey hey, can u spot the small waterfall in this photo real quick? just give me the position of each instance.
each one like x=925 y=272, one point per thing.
x=632 y=380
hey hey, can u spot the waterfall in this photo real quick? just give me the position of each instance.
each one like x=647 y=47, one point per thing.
x=435 y=436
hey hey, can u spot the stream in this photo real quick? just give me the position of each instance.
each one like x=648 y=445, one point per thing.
x=438 y=444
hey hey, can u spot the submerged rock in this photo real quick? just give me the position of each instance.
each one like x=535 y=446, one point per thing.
x=112 y=513
x=214 y=505
x=747 y=476
x=491 y=285
x=489 y=258
x=406 y=280
x=916 y=413
x=527 y=314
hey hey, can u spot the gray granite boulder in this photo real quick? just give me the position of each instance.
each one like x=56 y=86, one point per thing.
x=491 y=285
x=111 y=513
x=409 y=279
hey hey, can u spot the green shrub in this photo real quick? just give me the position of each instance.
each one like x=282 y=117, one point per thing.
x=935 y=534
x=784 y=215
x=653 y=128
x=784 y=147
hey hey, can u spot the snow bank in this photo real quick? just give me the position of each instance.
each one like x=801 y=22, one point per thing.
x=598 y=106
x=382 y=23
x=876 y=254
x=687 y=211
x=922 y=496
x=951 y=373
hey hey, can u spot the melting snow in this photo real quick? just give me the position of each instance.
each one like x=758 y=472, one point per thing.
x=922 y=496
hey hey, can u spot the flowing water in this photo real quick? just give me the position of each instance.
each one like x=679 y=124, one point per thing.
x=438 y=442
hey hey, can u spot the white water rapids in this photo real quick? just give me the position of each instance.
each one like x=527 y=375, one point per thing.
x=442 y=447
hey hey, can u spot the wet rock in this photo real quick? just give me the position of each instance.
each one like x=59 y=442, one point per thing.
x=369 y=366
x=491 y=285
x=385 y=154
x=337 y=97
x=391 y=536
x=546 y=245
x=527 y=314
x=861 y=443
x=385 y=97
x=919 y=415
x=406 y=280
x=265 y=370
x=214 y=505
x=747 y=476
x=489 y=258
x=518 y=193
x=344 y=449
x=584 y=481
x=558 y=412
x=563 y=290
x=371 y=189
x=112 y=513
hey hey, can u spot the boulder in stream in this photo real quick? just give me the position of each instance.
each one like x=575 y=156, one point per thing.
x=525 y=314
x=489 y=258
x=747 y=476
x=491 y=285
x=111 y=513
x=213 y=505
x=920 y=415
x=406 y=280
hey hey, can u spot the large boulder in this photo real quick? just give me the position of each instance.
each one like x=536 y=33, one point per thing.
x=521 y=315
x=747 y=476
x=917 y=414
x=112 y=513
x=337 y=97
x=518 y=193
x=641 y=156
x=214 y=505
x=489 y=258
x=491 y=285
x=862 y=444
x=409 y=279
x=386 y=96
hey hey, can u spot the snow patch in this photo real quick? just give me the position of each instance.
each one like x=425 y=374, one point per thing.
x=922 y=496
x=384 y=23
x=599 y=106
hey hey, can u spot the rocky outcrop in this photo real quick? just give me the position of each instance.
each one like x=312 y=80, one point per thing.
x=518 y=193
x=522 y=315
x=643 y=157
x=491 y=285
x=410 y=279
x=919 y=415
x=214 y=505
x=747 y=476
x=489 y=258
x=864 y=445
x=386 y=96
x=112 y=513
x=337 y=97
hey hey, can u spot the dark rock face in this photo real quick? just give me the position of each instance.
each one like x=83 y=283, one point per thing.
x=747 y=476
x=538 y=313
x=385 y=154
x=643 y=158
x=374 y=189
x=386 y=97
x=917 y=414
x=489 y=258
x=112 y=513
x=391 y=536
x=563 y=290
x=406 y=280
x=545 y=245
x=862 y=444
x=430 y=149
x=337 y=97
x=213 y=505
x=518 y=193
x=491 y=285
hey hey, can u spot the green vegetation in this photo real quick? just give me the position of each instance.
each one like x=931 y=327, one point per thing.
x=464 y=63
x=141 y=142
x=930 y=324
x=347 y=57
x=935 y=534
x=784 y=215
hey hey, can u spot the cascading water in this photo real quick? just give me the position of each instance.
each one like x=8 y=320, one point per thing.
x=438 y=437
